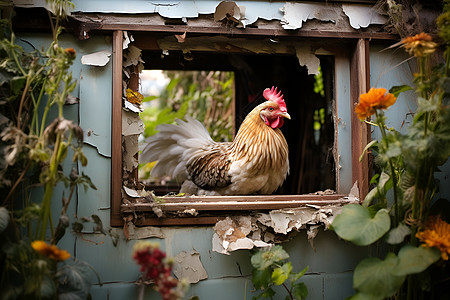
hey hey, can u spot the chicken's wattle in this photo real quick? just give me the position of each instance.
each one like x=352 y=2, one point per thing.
x=275 y=123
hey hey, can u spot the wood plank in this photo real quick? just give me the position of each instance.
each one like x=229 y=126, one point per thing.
x=207 y=25
x=116 y=131
x=243 y=205
x=255 y=198
x=360 y=84
x=155 y=221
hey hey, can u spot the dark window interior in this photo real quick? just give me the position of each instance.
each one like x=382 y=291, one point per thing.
x=310 y=144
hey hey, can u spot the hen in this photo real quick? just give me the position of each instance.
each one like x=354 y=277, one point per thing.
x=256 y=162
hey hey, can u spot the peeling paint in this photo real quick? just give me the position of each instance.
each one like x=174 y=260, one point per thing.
x=136 y=193
x=231 y=11
x=132 y=124
x=305 y=54
x=100 y=58
x=362 y=15
x=297 y=13
x=136 y=233
x=127 y=39
x=188 y=267
x=133 y=57
x=130 y=149
x=265 y=229
x=307 y=58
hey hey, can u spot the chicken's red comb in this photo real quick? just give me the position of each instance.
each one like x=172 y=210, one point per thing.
x=271 y=95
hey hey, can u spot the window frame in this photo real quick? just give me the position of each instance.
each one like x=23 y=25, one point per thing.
x=358 y=62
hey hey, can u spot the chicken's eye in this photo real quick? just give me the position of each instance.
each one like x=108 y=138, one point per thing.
x=270 y=108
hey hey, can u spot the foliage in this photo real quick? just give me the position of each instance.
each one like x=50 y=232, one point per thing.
x=157 y=269
x=407 y=164
x=205 y=95
x=33 y=86
x=272 y=269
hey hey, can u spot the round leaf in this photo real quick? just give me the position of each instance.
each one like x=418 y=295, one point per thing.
x=355 y=224
x=261 y=278
x=374 y=276
x=415 y=259
x=282 y=273
x=300 y=291
x=397 y=235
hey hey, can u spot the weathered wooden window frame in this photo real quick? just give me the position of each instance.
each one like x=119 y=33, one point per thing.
x=359 y=83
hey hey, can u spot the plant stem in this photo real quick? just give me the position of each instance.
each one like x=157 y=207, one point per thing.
x=22 y=100
x=48 y=187
x=16 y=184
x=391 y=166
x=289 y=292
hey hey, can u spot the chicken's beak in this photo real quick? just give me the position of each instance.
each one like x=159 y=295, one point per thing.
x=285 y=115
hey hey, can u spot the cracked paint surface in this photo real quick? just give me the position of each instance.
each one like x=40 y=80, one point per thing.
x=291 y=15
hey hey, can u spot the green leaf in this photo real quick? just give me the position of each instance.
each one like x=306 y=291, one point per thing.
x=17 y=84
x=374 y=276
x=265 y=258
x=149 y=98
x=414 y=260
x=299 y=275
x=268 y=294
x=261 y=278
x=356 y=224
x=397 y=235
x=300 y=291
x=280 y=274
x=367 y=148
x=4 y=218
x=396 y=90
x=370 y=196
x=74 y=280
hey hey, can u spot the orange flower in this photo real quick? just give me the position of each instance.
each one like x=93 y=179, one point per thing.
x=376 y=98
x=70 y=52
x=419 y=45
x=50 y=251
x=134 y=97
x=436 y=234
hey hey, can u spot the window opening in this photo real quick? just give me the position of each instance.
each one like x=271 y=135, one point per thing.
x=310 y=101
x=204 y=95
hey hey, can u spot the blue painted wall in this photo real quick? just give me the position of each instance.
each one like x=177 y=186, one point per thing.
x=330 y=264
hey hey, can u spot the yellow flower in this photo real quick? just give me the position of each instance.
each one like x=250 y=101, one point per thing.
x=376 y=98
x=419 y=45
x=50 y=251
x=134 y=97
x=436 y=234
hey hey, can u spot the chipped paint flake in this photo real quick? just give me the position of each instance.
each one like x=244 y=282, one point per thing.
x=188 y=266
x=297 y=13
x=307 y=58
x=247 y=232
x=231 y=234
x=136 y=193
x=132 y=124
x=132 y=56
x=362 y=15
x=231 y=11
x=99 y=59
x=136 y=233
